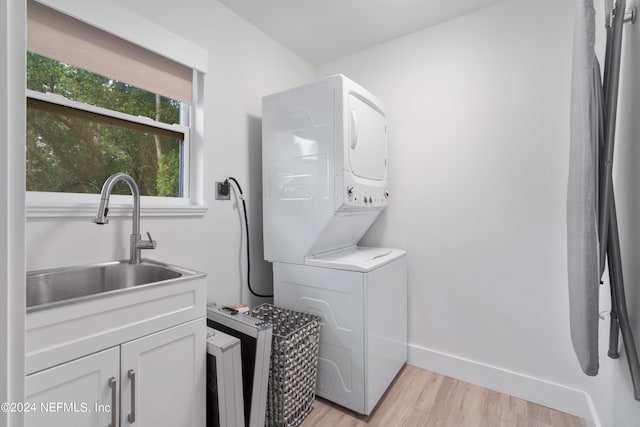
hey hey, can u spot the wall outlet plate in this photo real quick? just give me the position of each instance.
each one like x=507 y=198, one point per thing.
x=220 y=196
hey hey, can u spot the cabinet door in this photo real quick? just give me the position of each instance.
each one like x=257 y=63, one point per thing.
x=83 y=392
x=163 y=378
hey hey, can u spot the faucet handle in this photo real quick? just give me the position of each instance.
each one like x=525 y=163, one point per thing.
x=146 y=244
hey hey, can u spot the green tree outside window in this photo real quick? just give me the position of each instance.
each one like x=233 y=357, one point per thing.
x=73 y=151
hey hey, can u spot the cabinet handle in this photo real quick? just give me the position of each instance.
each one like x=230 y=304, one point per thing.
x=132 y=416
x=113 y=383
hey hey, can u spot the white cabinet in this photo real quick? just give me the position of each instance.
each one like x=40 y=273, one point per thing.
x=157 y=380
x=163 y=378
x=76 y=393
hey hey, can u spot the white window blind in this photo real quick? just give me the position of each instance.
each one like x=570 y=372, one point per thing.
x=61 y=37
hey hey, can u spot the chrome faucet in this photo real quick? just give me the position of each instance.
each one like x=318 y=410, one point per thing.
x=136 y=242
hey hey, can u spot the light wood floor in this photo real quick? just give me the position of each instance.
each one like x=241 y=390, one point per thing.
x=423 y=398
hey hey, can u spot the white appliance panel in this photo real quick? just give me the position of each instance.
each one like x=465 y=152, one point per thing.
x=336 y=296
x=367 y=142
x=363 y=337
x=225 y=406
x=386 y=334
x=356 y=258
x=255 y=349
x=343 y=228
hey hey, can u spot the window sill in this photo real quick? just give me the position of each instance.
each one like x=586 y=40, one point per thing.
x=85 y=206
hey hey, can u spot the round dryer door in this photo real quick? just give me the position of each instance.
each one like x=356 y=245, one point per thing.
x=367 y=145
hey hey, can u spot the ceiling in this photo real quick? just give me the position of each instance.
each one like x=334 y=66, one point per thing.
x=321 y=30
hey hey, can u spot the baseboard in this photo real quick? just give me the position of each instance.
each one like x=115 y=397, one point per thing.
x=536 y=390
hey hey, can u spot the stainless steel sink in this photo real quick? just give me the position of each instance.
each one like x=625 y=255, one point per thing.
x=46 y=288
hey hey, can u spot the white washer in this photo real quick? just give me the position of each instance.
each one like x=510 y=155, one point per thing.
x=361 y=296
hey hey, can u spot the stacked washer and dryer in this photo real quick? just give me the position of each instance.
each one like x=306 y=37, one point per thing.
x=324 y=154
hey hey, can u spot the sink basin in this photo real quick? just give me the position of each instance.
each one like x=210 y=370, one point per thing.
x=79 y=310
x=71 y=284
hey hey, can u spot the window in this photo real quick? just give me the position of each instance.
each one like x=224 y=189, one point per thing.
x=73 y=147
x=98 y=104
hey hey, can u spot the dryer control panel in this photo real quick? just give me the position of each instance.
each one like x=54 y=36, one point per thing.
x=364 y=196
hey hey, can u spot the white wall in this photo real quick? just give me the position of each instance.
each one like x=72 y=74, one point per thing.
x=479 y=128
x=244 y=65
x=12 y=249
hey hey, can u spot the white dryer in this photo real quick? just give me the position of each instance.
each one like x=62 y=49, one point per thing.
x=324 y=154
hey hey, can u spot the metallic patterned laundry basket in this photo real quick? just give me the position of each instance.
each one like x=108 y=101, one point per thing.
x=294 y=364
